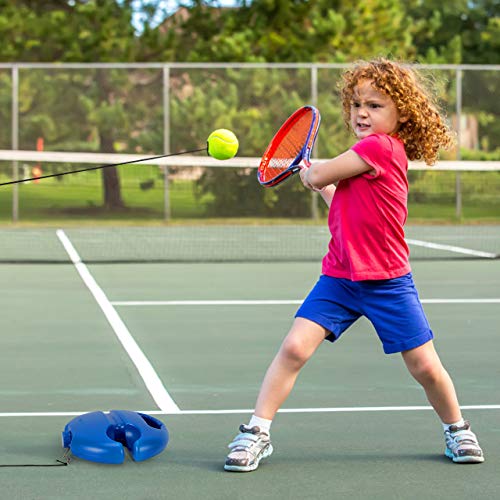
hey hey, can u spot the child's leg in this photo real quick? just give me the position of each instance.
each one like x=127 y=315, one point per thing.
x=424 y=364
x=461 y=443
x=299 y=345
x=253 y=443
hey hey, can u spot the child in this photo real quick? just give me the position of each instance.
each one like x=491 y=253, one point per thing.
x=366 y=271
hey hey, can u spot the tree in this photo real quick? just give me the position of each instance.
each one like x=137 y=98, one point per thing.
x=456 y=31
x=283 y=31
x=78 y=31
x=112 y=117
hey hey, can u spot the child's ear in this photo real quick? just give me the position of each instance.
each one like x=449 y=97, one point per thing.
x=403 y=118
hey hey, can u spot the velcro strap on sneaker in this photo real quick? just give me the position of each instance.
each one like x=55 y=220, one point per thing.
x=244 y=440
x=465 y=437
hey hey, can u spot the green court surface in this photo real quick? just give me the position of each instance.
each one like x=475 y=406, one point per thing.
x=355 y=426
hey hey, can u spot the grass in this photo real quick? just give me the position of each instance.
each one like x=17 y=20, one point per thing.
x=51 y=200
x=472 y=213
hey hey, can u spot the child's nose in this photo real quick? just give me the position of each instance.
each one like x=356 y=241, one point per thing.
x=362 y=111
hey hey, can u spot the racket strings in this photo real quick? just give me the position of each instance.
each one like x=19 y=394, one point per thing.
x=290 y=146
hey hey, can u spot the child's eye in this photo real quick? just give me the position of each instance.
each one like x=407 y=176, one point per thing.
x=355 y=104
x=374 y=105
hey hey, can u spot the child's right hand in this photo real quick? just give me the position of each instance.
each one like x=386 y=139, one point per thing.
x=303 y=178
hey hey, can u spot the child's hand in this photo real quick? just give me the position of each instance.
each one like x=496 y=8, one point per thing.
x=303 y=178
x=302 y=173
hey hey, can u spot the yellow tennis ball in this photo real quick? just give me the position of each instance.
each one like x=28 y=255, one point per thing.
x=222 y=144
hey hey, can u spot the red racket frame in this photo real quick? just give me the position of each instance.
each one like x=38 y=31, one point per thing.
x=264 y=173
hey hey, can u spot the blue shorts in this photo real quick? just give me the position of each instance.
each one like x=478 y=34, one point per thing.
x=392 y=306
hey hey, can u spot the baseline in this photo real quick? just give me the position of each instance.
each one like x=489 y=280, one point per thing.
x=347 y=409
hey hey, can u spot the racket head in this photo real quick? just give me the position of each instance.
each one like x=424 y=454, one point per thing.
x=292 y=144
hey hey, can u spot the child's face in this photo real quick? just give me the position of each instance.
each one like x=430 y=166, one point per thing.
x=372 y=112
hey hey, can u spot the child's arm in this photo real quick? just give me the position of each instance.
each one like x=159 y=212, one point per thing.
x=348 y=164
x=326 y=193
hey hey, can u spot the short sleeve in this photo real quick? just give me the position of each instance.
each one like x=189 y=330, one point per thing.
x=376 y=150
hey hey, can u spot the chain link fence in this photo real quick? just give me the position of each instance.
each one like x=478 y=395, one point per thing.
x=150 y=109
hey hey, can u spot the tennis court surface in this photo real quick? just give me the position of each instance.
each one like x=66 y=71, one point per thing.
x=181 y=323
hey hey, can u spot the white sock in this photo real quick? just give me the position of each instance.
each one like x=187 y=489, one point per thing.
x=460 y=423
x=262 y=423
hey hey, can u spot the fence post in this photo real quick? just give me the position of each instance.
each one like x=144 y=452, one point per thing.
x=15 y=141
x=314 y=102
x=458 y=180
x=166 y=140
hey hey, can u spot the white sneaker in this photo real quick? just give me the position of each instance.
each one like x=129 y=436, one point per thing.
x=462 y=445
x=247 y=449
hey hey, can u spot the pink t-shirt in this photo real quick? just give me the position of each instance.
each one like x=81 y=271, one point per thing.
x=367 y=215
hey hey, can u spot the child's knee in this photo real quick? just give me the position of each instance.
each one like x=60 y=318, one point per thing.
x=302 y=340
x=294 y=350
x=426 y=372
x=424 y=364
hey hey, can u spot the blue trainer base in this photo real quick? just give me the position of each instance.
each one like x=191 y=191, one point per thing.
x=101 y=437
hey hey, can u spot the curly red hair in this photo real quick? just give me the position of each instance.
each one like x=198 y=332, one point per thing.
x=425 y=131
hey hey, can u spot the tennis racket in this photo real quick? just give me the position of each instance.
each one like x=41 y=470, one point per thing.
x=292 y=144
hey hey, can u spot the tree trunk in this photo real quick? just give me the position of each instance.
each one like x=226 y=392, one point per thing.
x=110 y=179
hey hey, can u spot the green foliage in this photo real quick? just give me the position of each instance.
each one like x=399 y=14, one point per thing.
x=478 y=155
x=74 y=31
x=121 y=110
x=306 y=31
x=5 y=109
x=480 y=87
x=52 y=102
x=236 y=193
x=439 y=187
x=429 y=31
x=456 y=31
x=238 y=100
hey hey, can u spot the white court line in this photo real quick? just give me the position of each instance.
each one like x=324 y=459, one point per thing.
x=274 y=302
x=460 y=301
x=348 y=409
x=451 y=248
x=153 y=383
x=205 y=302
